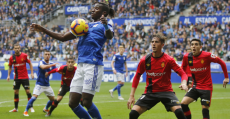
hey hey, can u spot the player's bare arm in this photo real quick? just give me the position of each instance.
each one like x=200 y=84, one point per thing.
x=47 y=66
x=32 y=71
x=108 y=32
x=131 y=100
x=9 y=71
x=59 y=36
x=112 y=65
x=126 y=69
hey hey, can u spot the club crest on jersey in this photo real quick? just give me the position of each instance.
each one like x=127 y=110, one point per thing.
x=162 y=64
x=22 y=59
x=202 y=61
x=147 y=65
x=190 y=62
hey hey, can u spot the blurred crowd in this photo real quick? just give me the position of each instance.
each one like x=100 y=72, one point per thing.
x=136 y=39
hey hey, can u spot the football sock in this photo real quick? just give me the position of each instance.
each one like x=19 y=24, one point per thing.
x=30 y=103
x=29 y=97
x=16 y=100
x=133 y=114
x=179 y=114
x=119 y=89
x=205 y=113
x=115 y=88
x=81 y=112
x=94 y=112
x=49 y=103
x=186 y=111
x=54 y=105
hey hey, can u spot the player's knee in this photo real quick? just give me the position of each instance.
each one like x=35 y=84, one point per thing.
x=16 y=91
x=87 y=103
x=72 y=104
x=205 y=107
x=27 y=91
x=133 y=114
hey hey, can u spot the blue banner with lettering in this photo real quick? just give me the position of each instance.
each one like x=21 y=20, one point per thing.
x=217 y=73
x=204 y=19
x=71 y=9
x=147 y=21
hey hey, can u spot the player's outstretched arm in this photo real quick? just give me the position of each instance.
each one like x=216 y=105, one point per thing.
x=59 y=36
x=9 y=71
x=131 y=100
x=48 y=66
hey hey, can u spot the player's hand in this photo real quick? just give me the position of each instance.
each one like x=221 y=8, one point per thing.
x=46 y=74
x=183 y=87
x=114 y=71
x=126 y=74
x=131 y=102
x=36 y=27
x=8 y=79
x=103 y=20
x=32 y=76
x=225 y=82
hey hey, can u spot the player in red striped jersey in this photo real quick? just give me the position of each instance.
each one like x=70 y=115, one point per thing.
x=157 y=66
x=67 y=72
x=19 y=60
x=199 y=65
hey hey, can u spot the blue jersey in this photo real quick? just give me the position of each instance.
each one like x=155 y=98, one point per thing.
x=42 y=80
x=119 y=62
x=89 y=46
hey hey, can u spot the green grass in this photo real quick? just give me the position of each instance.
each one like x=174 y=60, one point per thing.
x=110 y=108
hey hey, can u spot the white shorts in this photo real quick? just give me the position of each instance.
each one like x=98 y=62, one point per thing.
x=87 y=78
x=119 y=77
x=46 y=89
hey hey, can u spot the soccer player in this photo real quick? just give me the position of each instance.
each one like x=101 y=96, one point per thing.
x=89 y=73
x=199 y=64
x=120 y=62
x=42 y=83
x=19 y=60
x=157 y=66
x=67 y=72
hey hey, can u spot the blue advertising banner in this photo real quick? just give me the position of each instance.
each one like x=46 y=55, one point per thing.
x=204 y=19
x=148 y=21
x=217 y=74
x=71 y=9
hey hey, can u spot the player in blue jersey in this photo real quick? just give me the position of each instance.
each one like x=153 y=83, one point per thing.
x=120 y=63
x=89 y=74
x=42 y=83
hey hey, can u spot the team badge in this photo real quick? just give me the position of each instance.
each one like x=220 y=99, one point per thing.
x=207 y=102
x=190 y=61
x=202 y=61
x=162 y=64
x=22 y=59
x=147 y=65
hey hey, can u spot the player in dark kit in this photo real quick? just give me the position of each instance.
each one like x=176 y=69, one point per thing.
x=67 y=72
x=19 y=61
x=157 y=66
x=199 y=64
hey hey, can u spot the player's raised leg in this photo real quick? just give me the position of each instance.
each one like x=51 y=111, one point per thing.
x=26 y=86
x=29 y=104
x=178 y=112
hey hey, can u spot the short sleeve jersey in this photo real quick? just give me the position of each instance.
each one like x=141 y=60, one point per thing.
x=19 y=63
x=42 y=80
x=119 y=62
x=89 y=46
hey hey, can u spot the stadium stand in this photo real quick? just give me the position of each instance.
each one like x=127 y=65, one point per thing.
x=135 y=39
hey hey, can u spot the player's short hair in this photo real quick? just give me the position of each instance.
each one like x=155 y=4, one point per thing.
x=105 y=7
x=161 y=36
x=188 y=49
x=196 y=39
x=121 y=46
x=46 y=51
x=70 y=58
x=16 y=45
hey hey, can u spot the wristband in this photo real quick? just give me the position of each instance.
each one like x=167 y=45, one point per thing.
x=113 y=68
x=106 y=27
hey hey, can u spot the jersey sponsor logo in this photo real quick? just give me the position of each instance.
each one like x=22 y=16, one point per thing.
x=202 y=61
x=155 y=74
x=213 y=56
x=162 y=64
x=205 y=100
x=21 y=64
x=198 y=69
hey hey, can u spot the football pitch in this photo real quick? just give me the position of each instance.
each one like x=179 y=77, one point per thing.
x=110 y=108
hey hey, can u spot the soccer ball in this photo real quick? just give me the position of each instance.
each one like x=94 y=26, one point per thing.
x=79 y=27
